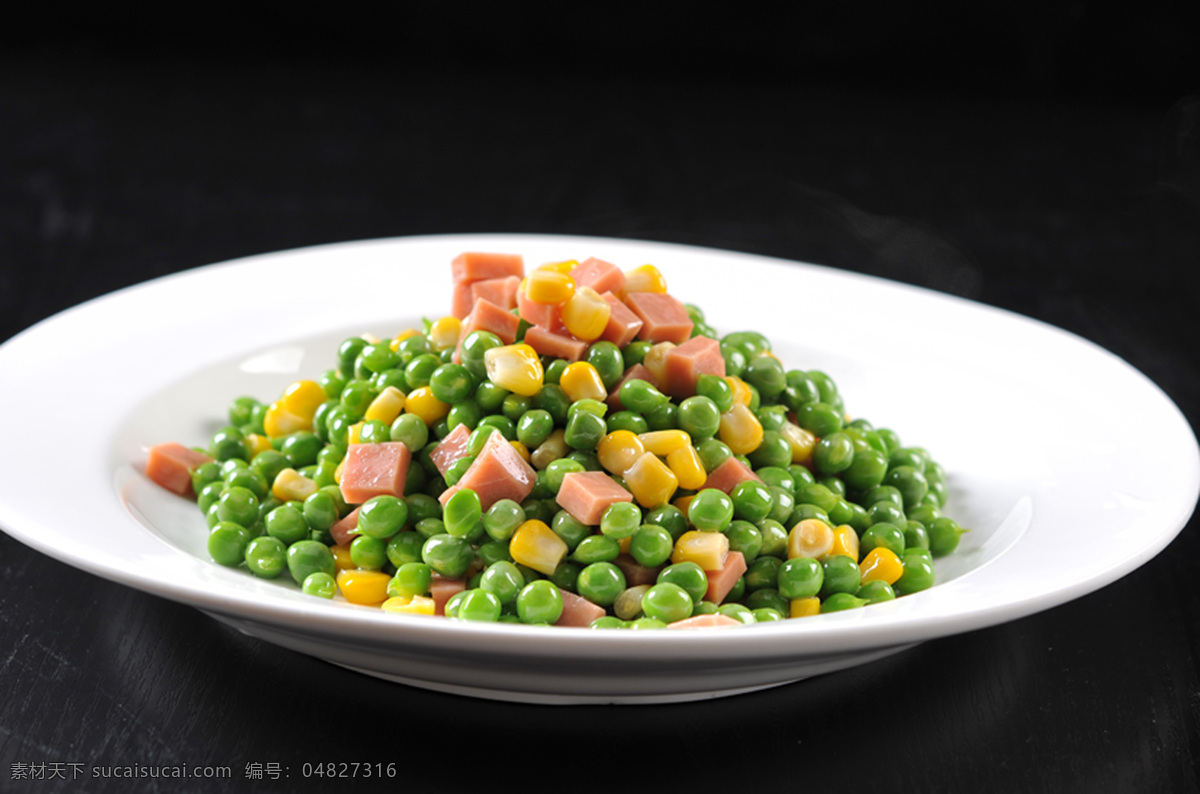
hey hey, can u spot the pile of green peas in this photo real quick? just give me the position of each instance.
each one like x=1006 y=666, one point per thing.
x=891 y=494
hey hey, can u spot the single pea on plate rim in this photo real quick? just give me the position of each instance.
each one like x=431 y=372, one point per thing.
x=1048 y=525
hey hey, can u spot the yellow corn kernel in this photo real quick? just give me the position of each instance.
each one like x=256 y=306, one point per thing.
x=881 y=563
x=706 y=549
x=537 y=546
x=741 y=389
x=292 y=486
x=410 y=605
x=444 y=332
x=585 y=314
x=811 y=537
x=645 y=278
x=546 y=285
x=688 y=467
x=800 y=440
x=845 y=542
x=341 y=557
x=521 y=449
x=618 y=450
x=354 y=433
x=566 y=266
x=804 y=607
x=256 y=443
x=581 y=380
x=664 y=442
x=655 y=360
x=368 y=588
x=650 y=480
x=514 y=367
x=370 y=338
x=740 y=430
x=278 y=421
x=303 y=398
x=394 y=344
x=422 y=403
x=681 y=503
x=550 y=450
x=337 y=472
x=386 y=406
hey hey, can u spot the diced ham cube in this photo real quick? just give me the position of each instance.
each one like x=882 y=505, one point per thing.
x=555 y=345
x=578 y=611
x=664 y=317
x=500 y=291
x=728 y=474
x=635 y=573
x=599 y=275
x=636 y=372
x=170 y=465
x=374 y=470
x=685 y=363
x=442 y=589
x=498 y=472
x=451 y=448
x=345 y=529
x=545 y=315
x=721 y=581
x=477 y=266
x=714 y=620
x=587 y=494
x=623 y=324
x=491 y=317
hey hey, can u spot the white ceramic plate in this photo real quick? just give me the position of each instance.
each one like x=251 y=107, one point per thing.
x=1023 y=416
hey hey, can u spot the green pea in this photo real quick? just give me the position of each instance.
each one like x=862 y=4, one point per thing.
x=915 y=535
x=462 y=512
x=699 y=417
x=765 y=374
x=739 y=612
x=607 y=622
x=882 y=534
x=710 y=510
x=767 y=598
x=774 y=450
x=819 y=418
x=763 y=572
x=320 y=584
x=534 y=426
x=667 y=602
x=664 y=417
x=368 y=553
x=553 y=370
x=833 y=454
x=490 y=396
x=321 y=510
x=716 y=389
x=627 y=420
x=876 y=591
x=886 y=512
x=651 y=545
x=474 y=345
x=744 y=537
x=552 y=399
x=910 y=481
x=502 y=579
x=713 y=453
x=596 y=548
x=227 y=543
x=800 y=577
x=448 y=555
x=248 y=478
x=768 y=614
x=640 y=396
x=584 y=431
x=635 y=352
x=355 y=398
x=570 y=529
x=410 y=430
x=502 y=519
x=841 y=575
x=944 y=535
x=332 y=382
x=228 y=443
x=601 y=583
x=404 y=547
x=557 y=469
x=687 y=575
x=837 y=602
x=816 y=494
x=620 y=520
x=565 y=575
x=451 y=383
x=466 y=413
x=286 y=523
x=539 y=602
x=775 y=537
x=411 y=579
x=306 y=557
x=478 y=605
x=238 y=505
x=608 y=361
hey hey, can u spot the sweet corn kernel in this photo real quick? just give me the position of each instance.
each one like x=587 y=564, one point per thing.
x=394 y=344
x=514 y=367
x=811 y=537
x=536 y=545
x=845 y=542
x=410 y=605
x=804 y=607
x=681 y=503
x=354 y=433
x=618 y=450
x=368 y=588
x=292 y=486
x=800 y=440
x=444 y=332
x=655 y=360
x=566 y=266
x=664 y=442
x=741 y=389
x=581 y=380
x=278 y=421
x=688 y=467
x=881 y=563
x=422 y=403
x=303 y=398
x=645 y=278
x=585 y=314
x=386 y=406
x=341 y=557
x=256 y=443
x=706 y=549
x=550 y=450
x=521 y=449
x=650 y=480
x=740 y=430
x=546 y=285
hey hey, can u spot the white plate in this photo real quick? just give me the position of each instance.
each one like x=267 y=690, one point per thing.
x=1030 y=422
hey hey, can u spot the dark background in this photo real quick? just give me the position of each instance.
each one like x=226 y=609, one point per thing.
x=1040 y=157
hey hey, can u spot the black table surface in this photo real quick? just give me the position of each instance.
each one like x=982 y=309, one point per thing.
x=1048 y=164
